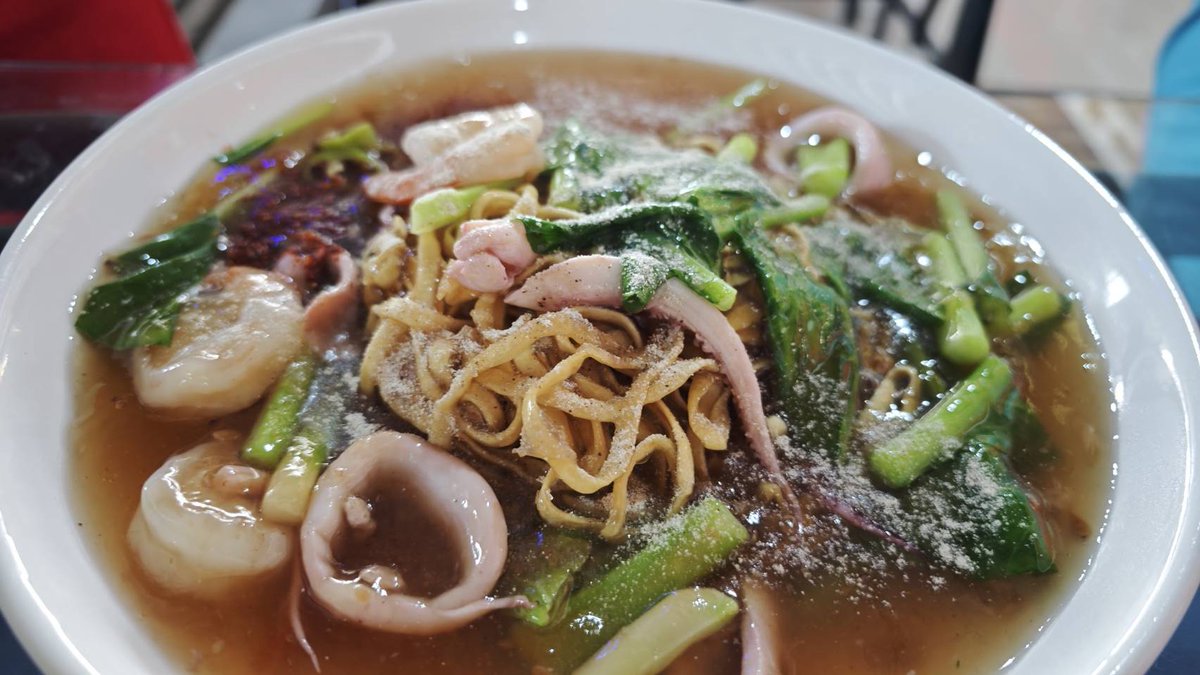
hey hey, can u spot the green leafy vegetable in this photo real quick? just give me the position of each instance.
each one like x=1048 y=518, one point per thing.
x=684 y=222
x=141 y=308
x=1026 y=443
x=276 y=424
x=184 y=239
x=815 y=357
x=641 y=276
x=285 y=127
x=673 y=239
x=593 y=172
x=996 y=529
x=690 y=547
x=970 y=512
x=874 y=262
x=669 y=205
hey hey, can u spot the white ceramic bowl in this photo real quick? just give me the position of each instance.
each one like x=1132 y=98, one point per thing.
x=68 y=613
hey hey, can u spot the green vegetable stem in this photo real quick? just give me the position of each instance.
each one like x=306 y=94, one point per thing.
x=649 y=644
x=990 y=297
x=544 y=573
x=961 y=337
x=280 y=415
x=1035 y=307
x=939 y=433
x=825 y=168
x=692 y=546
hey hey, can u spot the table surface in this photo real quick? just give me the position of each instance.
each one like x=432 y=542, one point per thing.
x=1105 y=133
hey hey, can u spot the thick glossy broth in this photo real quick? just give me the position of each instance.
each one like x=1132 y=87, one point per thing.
x=845 y=620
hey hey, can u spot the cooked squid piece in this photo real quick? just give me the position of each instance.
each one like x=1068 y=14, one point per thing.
x=873 y=169
x=760 y=632
x=490 y=254
x=233 y=339
x=408 y=467
x=471 y=148
x=328 y=317
x=198 y=531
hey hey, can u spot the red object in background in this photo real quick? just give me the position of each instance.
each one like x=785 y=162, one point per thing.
x=109 y=31
x=68 y=70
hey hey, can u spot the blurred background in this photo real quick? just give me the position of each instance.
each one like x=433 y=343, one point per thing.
x=1115 y=82
x=1080 y=70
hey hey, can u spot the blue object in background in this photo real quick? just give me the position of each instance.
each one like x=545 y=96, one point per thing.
x=1165 y=200
x=13 y=660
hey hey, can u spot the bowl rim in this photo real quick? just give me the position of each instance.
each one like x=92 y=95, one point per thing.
x=52 y=649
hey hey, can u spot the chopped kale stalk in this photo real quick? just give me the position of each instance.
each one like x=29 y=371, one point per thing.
x=800 y=210
x=961 y=336
x=939 y=433
x=691 y=546
x=141 y=307
x=358 y=144
x=824 y=169
x=990 y=296
x=1035 y=308
x=812 y=341
x=740 y=148
x=543 y=569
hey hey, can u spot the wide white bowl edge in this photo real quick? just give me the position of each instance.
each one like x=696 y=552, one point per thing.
x=71 y=619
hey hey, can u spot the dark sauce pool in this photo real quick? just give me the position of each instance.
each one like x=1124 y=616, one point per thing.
x=894 y=622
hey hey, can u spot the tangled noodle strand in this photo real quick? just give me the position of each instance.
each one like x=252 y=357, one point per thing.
x=573 y=400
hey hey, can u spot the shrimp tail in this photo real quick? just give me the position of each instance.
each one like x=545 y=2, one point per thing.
x=399 y=187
